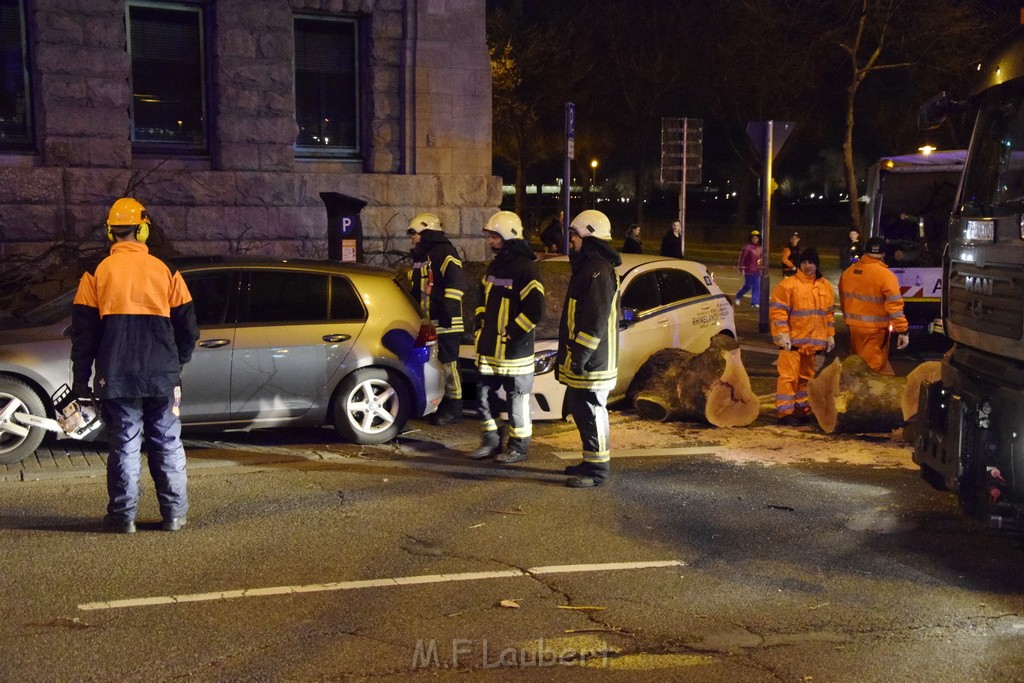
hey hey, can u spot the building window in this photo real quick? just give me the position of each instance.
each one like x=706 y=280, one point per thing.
x=326 y=86
x=165 y=42
x=15 y=112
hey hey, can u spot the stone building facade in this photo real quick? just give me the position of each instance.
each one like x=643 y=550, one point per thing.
x=423 y=115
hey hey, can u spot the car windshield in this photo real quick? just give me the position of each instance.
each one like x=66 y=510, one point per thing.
x=53 y=311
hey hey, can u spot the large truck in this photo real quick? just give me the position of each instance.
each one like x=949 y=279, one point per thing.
x=910 y=199
x=970 y=424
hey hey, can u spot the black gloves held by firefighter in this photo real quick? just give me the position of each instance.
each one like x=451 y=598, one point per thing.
x=81 y=389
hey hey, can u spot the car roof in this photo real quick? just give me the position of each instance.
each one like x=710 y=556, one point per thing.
x=188 y=263
x=633 y=261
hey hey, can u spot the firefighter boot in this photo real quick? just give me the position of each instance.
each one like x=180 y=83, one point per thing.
x=448 y=413
x=490 y=446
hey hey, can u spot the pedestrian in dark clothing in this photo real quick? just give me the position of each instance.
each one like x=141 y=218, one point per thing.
x=553 y=235
x=851 y=250
x=588 y=343
x=438 y=284
x=134 y=319
x=633 y=245
x=672 y=242
x=790 y=252
x=512 y=303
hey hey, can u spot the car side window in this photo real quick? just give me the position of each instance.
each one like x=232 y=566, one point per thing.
x=679 y=285
x=642 y=293
x=345 y=303
x=286 y=297
x=211 y=296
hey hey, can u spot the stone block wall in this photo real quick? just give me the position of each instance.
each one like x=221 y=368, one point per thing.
x=425 y=112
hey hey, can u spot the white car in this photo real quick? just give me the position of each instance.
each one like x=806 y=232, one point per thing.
x=665 y=303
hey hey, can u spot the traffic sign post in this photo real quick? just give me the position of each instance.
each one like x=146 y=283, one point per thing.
x=570 y=154
x=682 y=153
x=768 y=138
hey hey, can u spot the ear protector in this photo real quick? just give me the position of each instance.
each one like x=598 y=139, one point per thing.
x=141 y=230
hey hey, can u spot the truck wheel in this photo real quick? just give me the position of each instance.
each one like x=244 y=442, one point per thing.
x=17 y=441
x=371 y=406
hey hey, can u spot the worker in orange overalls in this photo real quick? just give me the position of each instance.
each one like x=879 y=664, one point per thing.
x=802 y=312
x=789 y=253
x=869 y=294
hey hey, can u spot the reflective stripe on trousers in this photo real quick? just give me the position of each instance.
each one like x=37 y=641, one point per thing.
x=516 y=404
x=130 y=421
x=589 y=409
x=795 y=369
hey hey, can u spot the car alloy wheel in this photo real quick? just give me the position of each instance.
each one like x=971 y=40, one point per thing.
x=17 y=441
x=371 y=406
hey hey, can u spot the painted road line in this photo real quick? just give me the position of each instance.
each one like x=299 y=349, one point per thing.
x=770 y=350
x=647 y=452
x=372 y=583
x=609 y=566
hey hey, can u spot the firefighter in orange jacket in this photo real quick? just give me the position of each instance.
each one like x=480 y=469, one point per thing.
x=869 y=294
x=803 y=324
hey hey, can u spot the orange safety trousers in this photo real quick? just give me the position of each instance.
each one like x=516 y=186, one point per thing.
x=795 y=369
x=872 y=344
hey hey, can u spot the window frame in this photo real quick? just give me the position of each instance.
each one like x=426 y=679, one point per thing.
x=170 y=147
x=26 y=142
x=328 y=152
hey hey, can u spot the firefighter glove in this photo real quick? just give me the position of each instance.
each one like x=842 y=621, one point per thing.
x=830 y=344
x=784 y=342
x=903 y=341
x=81 y=390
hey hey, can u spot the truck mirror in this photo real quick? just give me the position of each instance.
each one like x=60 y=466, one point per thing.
x=935 y=112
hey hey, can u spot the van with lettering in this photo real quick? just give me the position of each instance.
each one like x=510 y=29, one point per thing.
x=910 y=199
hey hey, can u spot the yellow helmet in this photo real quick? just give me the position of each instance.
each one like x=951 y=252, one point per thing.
x=128 y=213
x=506 y=225
x=424 y=221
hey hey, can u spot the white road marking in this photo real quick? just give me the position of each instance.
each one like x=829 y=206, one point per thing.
x=373 y=583
x=646 y=452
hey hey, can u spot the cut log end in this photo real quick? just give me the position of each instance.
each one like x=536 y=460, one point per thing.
x=651 y=406
x=925 y=372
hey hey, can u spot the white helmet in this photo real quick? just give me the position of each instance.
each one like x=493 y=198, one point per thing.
x=506 y=224
x=424 y=221
x=592 y=223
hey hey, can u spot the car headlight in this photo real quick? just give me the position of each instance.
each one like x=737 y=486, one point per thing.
x=544 y=361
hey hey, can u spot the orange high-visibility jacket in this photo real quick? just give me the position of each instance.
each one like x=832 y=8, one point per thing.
x=869 y=294
x=804 y=308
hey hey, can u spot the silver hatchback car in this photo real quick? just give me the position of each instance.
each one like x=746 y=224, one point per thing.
x=281 y=343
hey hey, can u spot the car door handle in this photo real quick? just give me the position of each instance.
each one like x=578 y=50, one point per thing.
x=336 y=337
x=214 y=343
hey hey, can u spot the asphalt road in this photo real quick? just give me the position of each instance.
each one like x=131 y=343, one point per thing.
x=333 y=562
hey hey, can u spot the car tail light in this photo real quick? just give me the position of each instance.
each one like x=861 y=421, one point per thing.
x=427 y=335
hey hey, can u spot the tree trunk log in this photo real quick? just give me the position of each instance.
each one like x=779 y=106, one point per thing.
x=849 y=397
x=925 y=372
x=711 y=386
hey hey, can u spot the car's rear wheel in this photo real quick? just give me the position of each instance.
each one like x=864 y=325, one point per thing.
x=17 y=441
x=371 y=406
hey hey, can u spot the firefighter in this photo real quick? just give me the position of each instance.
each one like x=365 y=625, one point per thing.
x=133 y=317
x=512 y=304
x=438 y=283
x=588 y=342
x=869 y=294
x=802 y=312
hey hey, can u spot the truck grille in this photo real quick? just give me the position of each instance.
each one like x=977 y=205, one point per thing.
x=987 y=299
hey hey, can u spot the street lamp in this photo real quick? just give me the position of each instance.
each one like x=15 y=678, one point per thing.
x=593 y=180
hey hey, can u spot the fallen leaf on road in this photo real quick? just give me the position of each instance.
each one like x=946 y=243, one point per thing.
x=509 y=603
